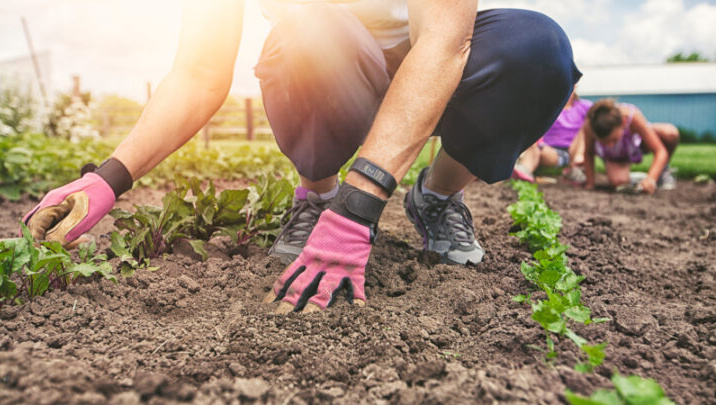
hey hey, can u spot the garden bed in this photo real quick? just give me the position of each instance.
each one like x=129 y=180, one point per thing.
x=196 y=331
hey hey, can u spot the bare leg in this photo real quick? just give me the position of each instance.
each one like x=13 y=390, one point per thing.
x=530 y=158
x=548 y=157
x=319 y=186
x=617 y=173
x=669 y=135
x=447 y=176
x=576 y=150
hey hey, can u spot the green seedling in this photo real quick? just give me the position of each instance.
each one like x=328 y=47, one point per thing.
x=549 y=273
x=28 y=269
x=632 y=390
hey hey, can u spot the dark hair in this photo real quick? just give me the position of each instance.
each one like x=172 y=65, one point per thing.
x=604 y=116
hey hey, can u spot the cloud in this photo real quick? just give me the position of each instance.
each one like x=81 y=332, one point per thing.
x=662 y=28
x=596 y=53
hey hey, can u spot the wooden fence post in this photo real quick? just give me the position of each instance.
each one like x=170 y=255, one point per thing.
x=206 y=136
x=105 y=123
x=249 y=121
x=76 y=86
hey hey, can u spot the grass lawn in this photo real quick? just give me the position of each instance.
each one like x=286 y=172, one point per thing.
x=691 y=160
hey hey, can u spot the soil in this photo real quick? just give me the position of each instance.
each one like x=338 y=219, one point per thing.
x=197 y=332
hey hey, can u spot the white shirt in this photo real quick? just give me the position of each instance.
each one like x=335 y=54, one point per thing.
x=387 y=20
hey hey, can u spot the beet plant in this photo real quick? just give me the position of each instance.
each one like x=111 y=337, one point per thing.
x=198 y=214
x=28 y=268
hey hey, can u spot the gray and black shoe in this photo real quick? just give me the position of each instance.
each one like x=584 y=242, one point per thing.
x=667 y=181
x=445 y=225
x=297 y=226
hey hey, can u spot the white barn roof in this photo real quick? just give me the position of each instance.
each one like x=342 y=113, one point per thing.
x=670 y=78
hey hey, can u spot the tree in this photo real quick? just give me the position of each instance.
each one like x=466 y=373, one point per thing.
x=692 y=57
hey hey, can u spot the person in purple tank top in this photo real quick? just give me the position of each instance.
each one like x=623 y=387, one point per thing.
x=561 y=146
x=620 y=135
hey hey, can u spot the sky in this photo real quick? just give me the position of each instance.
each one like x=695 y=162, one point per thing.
x=117 y=46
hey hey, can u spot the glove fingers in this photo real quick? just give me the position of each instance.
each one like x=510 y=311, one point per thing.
x=55 y=222
x=281 y=286
x=44 y=219
x=299 y=290
x=329 y=288
x=358 y=284
x=308 y=292
x=78 y=204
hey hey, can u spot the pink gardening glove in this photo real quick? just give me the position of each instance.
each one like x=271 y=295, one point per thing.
x=71 y=210
x=334 y=257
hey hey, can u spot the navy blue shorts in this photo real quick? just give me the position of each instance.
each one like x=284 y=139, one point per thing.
x=323 y=77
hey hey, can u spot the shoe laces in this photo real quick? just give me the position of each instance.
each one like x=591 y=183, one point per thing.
x=455 y=214
x=300 y=219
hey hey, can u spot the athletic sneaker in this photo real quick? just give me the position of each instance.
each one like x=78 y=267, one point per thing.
x=297 y=225
x=666 y=180
x=445 y=225
x=575 y=175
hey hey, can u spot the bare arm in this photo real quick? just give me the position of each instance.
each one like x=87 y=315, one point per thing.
x=441 y=33
x=653 y=143
x=194 y=89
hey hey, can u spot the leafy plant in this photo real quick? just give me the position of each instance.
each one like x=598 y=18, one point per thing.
x=34 y=163
x=246 y=161
x=246 y=215
x=29 y=269
x=17 y=109
x=549 y=273
x=632 y=390
x=70 y=117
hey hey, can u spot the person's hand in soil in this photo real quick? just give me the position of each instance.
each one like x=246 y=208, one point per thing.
x=334 y=258
x=65 y=213
x=648 y=185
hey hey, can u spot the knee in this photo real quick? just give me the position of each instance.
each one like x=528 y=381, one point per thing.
x=541 y=52
x=672 y=134
x=322 y=35
x=617 y=179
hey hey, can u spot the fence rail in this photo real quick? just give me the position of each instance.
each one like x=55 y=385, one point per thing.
x=247 y=120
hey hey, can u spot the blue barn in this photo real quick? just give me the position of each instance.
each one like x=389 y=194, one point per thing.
x=683 y=94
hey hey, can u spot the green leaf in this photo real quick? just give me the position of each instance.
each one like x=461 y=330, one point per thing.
x=549 y=319
x=638 y=390
x=198 y=246
x=40 y=282
x=519 y=298
x=578 y=314
x=600 y=397
x=230 y=205
x=583 y=368
x=83 y=269
x=127 y=270
x=578 y=340
x=549 y=277
x=595 y=353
